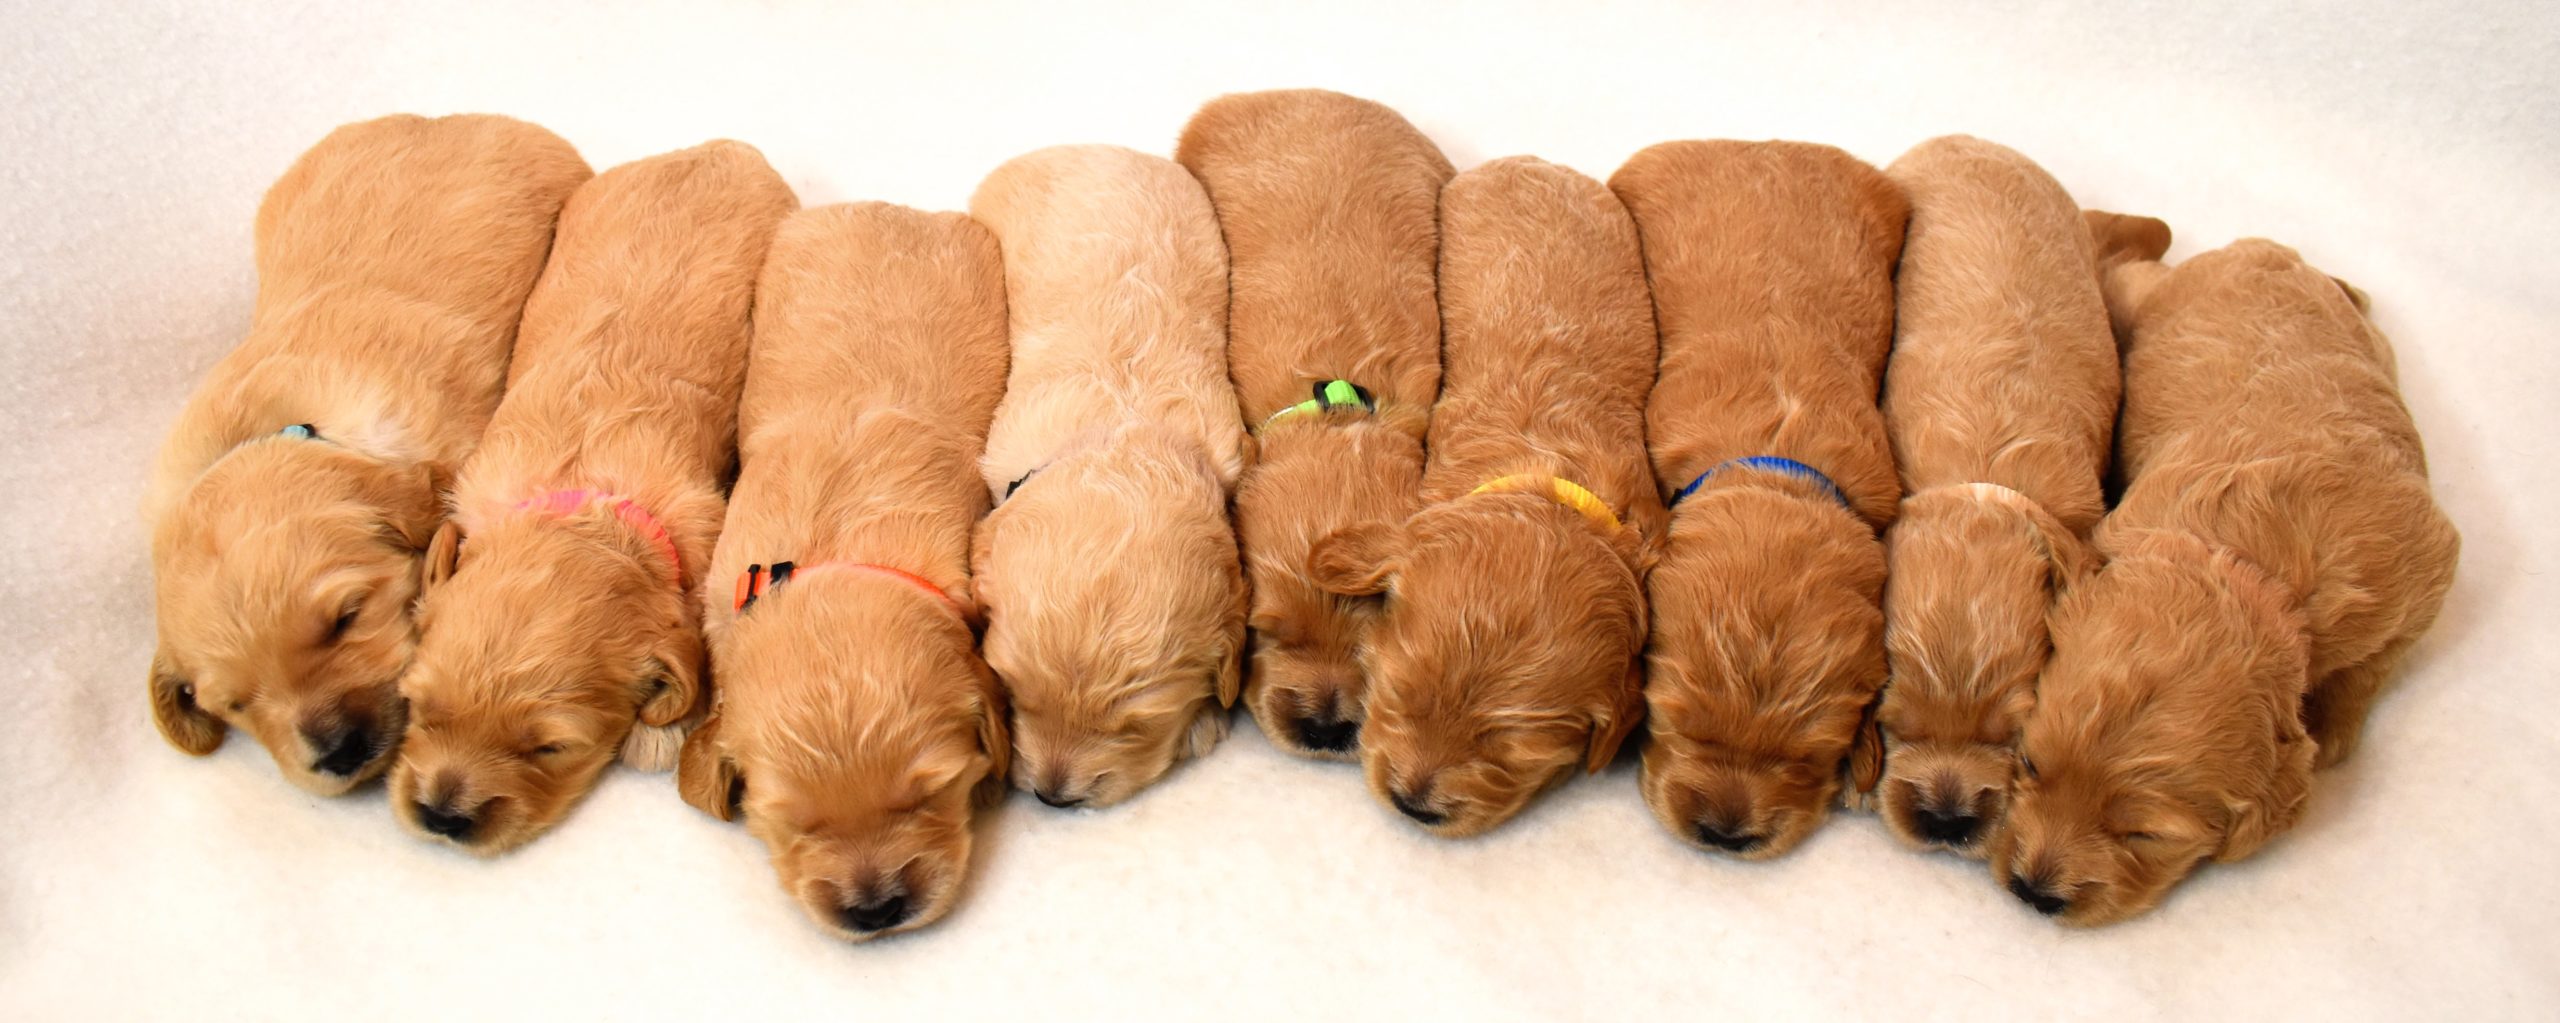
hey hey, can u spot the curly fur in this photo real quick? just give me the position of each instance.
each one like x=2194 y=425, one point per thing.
x=1772 y=274
x=1115 y=603
x=1330 y=207
x=546 y=638
x=2274 y=556
x=393 y=262
x=2001 y=402
x=1506 y=653
x=855 y=722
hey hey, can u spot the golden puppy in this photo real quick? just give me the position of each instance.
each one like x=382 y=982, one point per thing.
x=558 y=603
x=1108 y=573
x=1772 y=273
x=855 y=722
x=2000 y=402
x=300 y=484
x=2275 y=555
x=1330 y=206
x=1507 y=652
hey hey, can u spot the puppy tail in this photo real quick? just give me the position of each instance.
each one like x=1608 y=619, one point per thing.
x=2125 y=238
x=654 y=748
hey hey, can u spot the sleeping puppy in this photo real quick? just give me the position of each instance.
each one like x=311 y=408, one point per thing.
x=1772 y=273
x=2274 y=557
x=1507 y=651
x=2000 y=402
x=558 y=603
x=1114 y=602
x=855 y=723
x=291 y=502
x=1330 y=206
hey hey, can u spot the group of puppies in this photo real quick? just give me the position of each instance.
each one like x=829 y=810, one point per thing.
x=858 y=515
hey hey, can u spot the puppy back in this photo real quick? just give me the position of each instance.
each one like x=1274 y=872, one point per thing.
x=1771 y=266
x=2004 y=368
x=1116 y=291
x=874 y=304
x=1329 y=205
x=456 y=212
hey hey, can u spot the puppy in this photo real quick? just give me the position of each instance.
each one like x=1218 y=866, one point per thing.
x=1330 y=206
x=1506 y=652
x=2275 y=555
x=1114 y=601
x=558 y=603
x=1772 y=273
x=300 y=484
x=2000 y=401
x=855 y=722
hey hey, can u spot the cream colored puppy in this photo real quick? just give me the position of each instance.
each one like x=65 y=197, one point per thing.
x=1115 y=603
x=299 y=486
x=855 y=721
x=568 y=614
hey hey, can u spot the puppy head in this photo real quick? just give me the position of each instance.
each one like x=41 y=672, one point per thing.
x=1115 y=615
x=2167 y=732
x=542 y=640
x=1504 y=655
x=856 y=730
x=1975 y=569
x=285 y=578
x=1767 y=652
x=1306 y=686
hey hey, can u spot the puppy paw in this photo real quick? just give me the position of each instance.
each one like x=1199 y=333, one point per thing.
x=653 y=748
x=1206 y=730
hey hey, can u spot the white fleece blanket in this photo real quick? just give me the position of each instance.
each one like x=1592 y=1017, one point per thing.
x=2410 y=148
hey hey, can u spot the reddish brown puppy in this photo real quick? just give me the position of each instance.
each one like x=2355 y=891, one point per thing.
x=1330 y=206
x=1508 y=649
x=2275 y=555
x=2001 y=402
x=1772 y=272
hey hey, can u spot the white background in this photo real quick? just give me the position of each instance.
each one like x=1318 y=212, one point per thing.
x=2409 y=148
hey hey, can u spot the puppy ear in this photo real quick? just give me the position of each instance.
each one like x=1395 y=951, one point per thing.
x=2068 y=559
x=995 y=739
x=1866 y=751
x=674 y=684
x=1611 y=726
x=2261 y=811
x=174 y=710
x=705 y=776
x=444 y=555
x=1357 y=560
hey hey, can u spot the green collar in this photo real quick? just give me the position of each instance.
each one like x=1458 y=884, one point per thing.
x=1329 y=395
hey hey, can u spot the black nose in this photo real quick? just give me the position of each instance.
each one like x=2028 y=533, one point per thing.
x=1326 y=734
x=877 y=914
x=1411 y=807
x=1947 y=828
x=1053 y=799
x=451 y=825
x=1730 y=841
x=344 y=752
x=2048 y=905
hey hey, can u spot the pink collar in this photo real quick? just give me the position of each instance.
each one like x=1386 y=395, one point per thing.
x=758 y=579
x=564 y=503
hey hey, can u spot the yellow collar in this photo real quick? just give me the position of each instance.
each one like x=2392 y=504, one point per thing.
x=1562 y=491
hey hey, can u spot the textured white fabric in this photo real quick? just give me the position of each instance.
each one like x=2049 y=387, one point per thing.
x=2408 y=148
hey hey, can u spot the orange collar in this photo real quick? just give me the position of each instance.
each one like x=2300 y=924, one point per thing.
x=758 y=579
x=564 y=503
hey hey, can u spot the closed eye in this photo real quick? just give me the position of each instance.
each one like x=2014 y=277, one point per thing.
x=346 y=620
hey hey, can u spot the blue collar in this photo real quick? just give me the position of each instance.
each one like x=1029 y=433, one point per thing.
x=1771 y=463
x=299 y=431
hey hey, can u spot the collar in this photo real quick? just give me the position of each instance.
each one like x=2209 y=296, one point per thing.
x=1558 y=489
x=758 y=580
x=1329 y=395
x=564 y=503
x=1770 y=463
